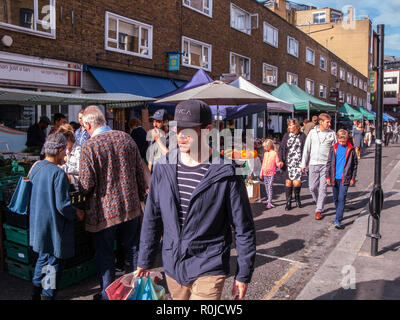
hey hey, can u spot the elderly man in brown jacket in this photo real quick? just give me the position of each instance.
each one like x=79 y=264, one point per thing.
x=111 y=174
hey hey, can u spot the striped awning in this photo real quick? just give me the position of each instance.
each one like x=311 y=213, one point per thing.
x=115 y=100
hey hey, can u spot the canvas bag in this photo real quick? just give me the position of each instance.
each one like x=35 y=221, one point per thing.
x=21 y=197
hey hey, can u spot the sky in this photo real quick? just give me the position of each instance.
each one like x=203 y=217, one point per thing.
x=385 y=12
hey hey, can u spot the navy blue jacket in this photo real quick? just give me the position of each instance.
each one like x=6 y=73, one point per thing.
x=202 y=247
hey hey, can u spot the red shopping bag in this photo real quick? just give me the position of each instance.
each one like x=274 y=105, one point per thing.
x=122 y=288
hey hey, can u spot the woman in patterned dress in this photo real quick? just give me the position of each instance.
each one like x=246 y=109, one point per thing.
x=290 y=153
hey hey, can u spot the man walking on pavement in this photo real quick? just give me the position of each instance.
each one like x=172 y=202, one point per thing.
x=193 y=205
x=310 y=125
x=319 y=143
x=111 y=175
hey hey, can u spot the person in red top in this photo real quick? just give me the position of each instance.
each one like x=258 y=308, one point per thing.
x=341 y=171
x=268 y=169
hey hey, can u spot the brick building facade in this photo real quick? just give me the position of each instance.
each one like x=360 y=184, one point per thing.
x=85 y=27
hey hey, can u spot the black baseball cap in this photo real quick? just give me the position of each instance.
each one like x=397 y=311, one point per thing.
x=160 y=115
x=192 y=113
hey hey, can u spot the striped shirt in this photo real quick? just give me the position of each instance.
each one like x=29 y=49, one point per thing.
x=188 y=179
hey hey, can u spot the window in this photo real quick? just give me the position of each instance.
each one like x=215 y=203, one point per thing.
x=128 y=36
x=270 y=75
x=365 y=86
x=354 y=101
x=240 y=65
x=319 y=17
x=342 y=74
x=242 y=20
x=270 y=35
x=29 y=16
x=348 y=98
x=341 y=96
x=292 y=46
x=196 y=54
x=202 y=6
x=360 y=84
x=360 y=102
x=334 y=68
x=391 y=80
x=390 y=94
x=355 y=81
x=323 y=63
x=310 y=56
x=292 y=78
x=335 y=16
x=310 y=86
x=322 y=91
x=349 y=78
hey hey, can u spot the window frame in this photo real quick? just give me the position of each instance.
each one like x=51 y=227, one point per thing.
x=344 y=74
x=319 y=12
x=336 y=68
x=349 y=101
x=356 y=100
x=313 y=51
x=275 y=84
x=325 y=91
x=231 y=53
x=246 y=12
x=326 y=62
x=129 y=21
x=265 y=25
x=294 y=74
x=199 y=11
x=349 y=76
x=313 y=86
x=35 y=22
x=203 y=44
x=355 y=81
x=288 y=46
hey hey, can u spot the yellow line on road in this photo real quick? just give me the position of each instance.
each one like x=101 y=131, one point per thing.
x=281 y=282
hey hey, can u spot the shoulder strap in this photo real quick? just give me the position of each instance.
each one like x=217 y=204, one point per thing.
x=42 y=165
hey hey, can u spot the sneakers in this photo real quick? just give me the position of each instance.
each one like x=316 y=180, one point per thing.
x=269 y=206
x=338 y=225
x=318 y=215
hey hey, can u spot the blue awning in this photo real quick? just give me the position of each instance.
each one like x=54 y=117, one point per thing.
x=127 y=82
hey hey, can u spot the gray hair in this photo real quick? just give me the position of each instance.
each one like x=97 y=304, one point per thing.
x=94 y=116
x=54 y=143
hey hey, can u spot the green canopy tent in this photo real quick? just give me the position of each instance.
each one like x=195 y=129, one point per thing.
x=302 y=101
x=367 y=115
x=345 y=112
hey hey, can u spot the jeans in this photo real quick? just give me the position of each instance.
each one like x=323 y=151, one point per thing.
x=339 y=198
x=47 y=273
x=129 y=235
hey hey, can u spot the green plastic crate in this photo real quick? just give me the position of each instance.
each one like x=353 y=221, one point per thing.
x=16 y=235
x=20 y=270
x=68 y=278
x=18 y=252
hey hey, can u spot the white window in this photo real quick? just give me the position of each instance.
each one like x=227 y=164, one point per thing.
x=354 y=101
x=196 y=54
x=355 y=81
x=365 y=86
x=270 y=35
x=342 y=74
x=310 y=56
x=322 y=91
x=334 y=68
x=360 y=102
x=292 y=78
x=360 y=84
x=202 y=6
x=292 y=46
x=323 y=63
x=319 y=17
x=242 y=20
x=240 y=65
x=310 y=86
x=30 y=16
x=270 y=75
x=128 y=36
x=348 y=98
x=341 y=96
x=349 y=78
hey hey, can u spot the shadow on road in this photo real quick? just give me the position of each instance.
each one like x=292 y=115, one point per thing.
x=278 y=221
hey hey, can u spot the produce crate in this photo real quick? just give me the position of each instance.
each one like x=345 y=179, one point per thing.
x=18 y=252
x=85 y=270
x=15 y=219
x=16 y=235
x=7 y=187
x=68 y=278
x=20 y=270
x=83 y=253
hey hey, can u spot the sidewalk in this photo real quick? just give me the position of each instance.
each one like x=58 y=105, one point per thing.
x=350 y=272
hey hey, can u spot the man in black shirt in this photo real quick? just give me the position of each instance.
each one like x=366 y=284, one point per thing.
x=36 y=135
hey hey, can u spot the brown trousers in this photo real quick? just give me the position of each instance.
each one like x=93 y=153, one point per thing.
x=203 y=288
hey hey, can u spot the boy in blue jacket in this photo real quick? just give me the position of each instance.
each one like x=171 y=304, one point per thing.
x=194 y=203
x=341 y=171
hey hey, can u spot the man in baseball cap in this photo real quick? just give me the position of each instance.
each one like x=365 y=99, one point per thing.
x=193 y=205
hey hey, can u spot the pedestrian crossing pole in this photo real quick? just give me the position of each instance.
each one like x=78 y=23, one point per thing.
x=376 y=199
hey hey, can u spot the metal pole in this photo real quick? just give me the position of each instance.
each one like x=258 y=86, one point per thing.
x=377 y=195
